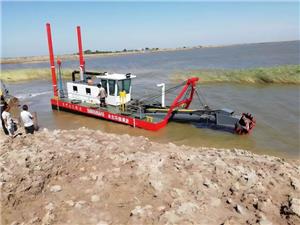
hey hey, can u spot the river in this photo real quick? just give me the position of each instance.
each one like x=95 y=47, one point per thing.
x=276 y=107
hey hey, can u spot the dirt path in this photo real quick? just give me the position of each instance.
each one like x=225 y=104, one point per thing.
x=89 y=177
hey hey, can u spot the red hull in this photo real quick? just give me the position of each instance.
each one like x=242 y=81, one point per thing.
x=108 y=115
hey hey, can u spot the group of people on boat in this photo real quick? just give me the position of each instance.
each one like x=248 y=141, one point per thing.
x=9 y=126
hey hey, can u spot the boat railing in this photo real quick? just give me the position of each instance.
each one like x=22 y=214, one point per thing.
x=136 y=110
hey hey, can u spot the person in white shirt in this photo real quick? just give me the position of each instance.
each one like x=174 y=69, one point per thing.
x=2 y=106
x=102 y=94
x=27 y=120
x=8 y=121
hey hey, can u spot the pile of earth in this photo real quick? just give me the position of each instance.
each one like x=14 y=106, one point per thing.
x=90 y=177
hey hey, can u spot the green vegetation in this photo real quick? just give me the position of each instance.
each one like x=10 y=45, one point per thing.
x=30 y=74
x=90 y=52
x=289 y=74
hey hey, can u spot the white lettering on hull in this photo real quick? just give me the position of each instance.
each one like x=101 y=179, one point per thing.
x=71 y=106
x=118 y=118
x=95 y=112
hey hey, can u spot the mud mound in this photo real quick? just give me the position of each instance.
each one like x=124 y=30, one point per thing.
x=89 y=177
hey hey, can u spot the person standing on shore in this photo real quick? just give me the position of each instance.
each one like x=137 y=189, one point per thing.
x=3 y=104
x=8 y=121
x=27 y=120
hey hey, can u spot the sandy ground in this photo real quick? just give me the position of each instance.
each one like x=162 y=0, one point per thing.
x=89 y=177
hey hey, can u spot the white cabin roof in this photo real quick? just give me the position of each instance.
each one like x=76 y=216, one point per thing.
x=115 y=76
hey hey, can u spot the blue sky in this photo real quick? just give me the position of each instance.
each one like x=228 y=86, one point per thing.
x=117 y=25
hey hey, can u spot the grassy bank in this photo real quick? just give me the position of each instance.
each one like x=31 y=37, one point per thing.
x=30 y=74
x=289 y=74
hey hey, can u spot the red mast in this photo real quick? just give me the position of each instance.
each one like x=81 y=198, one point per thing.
x=54 y=83
x=81 y=60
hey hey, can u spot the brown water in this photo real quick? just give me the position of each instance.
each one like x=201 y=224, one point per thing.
x=276 y=107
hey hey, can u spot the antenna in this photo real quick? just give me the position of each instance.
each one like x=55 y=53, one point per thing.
x=52 y=65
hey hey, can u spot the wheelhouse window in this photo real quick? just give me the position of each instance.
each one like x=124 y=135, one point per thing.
x=111 y=87
x=88 y=91
x=124 y=85
x=75 y=89
x=104 y=84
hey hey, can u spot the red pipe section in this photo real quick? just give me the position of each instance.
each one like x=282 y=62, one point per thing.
x=54 y=82
x=176 y=103
x=81 y=60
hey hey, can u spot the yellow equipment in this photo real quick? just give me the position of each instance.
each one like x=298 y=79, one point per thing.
x=122 y=100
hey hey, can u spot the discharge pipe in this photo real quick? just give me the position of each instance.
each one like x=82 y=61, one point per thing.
x=163 y=88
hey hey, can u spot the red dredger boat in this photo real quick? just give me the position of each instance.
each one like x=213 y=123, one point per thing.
x=81 y=97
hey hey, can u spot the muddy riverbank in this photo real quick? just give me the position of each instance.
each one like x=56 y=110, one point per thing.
x=91 y=177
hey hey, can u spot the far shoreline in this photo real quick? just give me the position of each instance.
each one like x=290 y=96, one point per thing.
x=45 y=58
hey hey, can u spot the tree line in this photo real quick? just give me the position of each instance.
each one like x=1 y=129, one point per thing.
x=88 y=51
